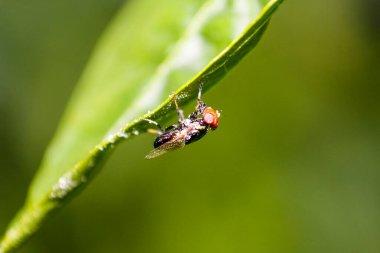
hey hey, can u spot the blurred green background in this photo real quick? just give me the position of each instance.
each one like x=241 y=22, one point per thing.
x=293 y=167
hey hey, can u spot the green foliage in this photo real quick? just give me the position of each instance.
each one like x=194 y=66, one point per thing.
x=138 y=63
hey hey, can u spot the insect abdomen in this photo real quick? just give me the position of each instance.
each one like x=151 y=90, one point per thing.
x=163 y=138
x=194 y=136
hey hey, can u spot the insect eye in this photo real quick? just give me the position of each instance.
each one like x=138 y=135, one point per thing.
x=208 y=118
x=211 y=120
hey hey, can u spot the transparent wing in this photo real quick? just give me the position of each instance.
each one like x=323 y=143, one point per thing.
x=177 y=143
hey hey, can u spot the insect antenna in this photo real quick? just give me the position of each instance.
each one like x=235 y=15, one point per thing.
x=156 y=124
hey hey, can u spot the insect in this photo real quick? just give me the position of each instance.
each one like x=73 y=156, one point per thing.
x=197 y=124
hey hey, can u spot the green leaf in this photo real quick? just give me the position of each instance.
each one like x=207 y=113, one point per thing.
x=139 y=62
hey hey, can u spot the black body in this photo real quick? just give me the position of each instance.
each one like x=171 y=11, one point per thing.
x=191 y=130
x=187 y=131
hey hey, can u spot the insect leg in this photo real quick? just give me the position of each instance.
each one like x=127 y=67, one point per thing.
x=170 y=128
x=200 y=92
x=181 y=118
x=201 y=105
x=160 y=131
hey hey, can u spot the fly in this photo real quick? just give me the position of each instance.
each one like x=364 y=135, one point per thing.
x=188 y=130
